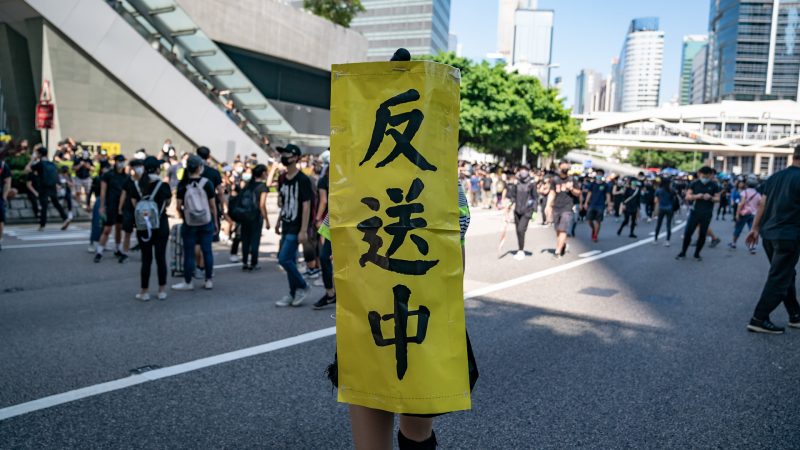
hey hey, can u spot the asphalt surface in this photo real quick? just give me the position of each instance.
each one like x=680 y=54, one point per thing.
x=633 y=350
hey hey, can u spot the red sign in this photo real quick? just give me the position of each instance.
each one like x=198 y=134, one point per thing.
x=44 y=116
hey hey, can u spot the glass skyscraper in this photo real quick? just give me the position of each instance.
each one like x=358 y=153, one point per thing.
x=637 y=76
x=754 y=50
x=692 y=46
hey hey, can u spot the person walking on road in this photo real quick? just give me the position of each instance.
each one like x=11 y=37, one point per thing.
x=112 y=184
x=257 y=189
x=745 y=211
x=152 y=240
x=704 y=192
x=777 y=221
x=522 y=195
x=295 y=191
x=598 y=198
x=631 y=204
x=197 y=205
x=321 y=222
x=47 y=174
x=664 y=204
x=560 y=201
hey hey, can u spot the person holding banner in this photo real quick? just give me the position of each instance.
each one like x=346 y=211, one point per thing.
x=402 y=346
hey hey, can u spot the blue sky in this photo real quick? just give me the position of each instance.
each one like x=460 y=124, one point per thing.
x=588 y=33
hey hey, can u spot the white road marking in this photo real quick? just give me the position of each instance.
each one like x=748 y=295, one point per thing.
x=49 y=244
x=591 y=253
x=133 y=380
x=652 y=233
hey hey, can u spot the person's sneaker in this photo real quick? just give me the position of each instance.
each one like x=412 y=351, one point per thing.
x=117 y=254
x=162 y=296
x=91 y=248
x=714 y=242
x=66 y=223
x=666 y=244
x=325 y=301
x=519 y=256
x=208 y=285
x=255 y=268
x=312 y=273
x=183 y=286
x=136 y=247
x=246 y=268
x=286 y=300
x=680 y=257
x=655 y=241
x=557 y=256
x=199 y=274
x=123 y=259
x=40 y=229
x=632 y=236
x=619 y=232
x=301 y=295
x=698 y=258
x=98 y=257
x=794 y=321
x=731 y=246
x=319 y=282
x=234 y=258
x=764 y=326
x=143 y=297
x=753 y=251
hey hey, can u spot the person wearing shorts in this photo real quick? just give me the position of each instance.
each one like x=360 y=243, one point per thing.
x=111 y=185
x=560 y=200
x=597 y=199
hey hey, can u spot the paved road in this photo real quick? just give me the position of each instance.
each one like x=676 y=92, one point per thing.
x=627 y=348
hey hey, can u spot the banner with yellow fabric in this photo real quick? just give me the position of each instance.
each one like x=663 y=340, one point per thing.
x=395 y=234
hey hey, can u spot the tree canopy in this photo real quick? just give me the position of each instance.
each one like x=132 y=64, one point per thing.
x=501 y=111
x=685 y=161
x=340 y=12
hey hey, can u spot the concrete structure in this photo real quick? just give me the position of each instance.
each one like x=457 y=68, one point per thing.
x=505 y=25
x=754 y=50
x=588 y=86
x=533 y=43
x=638 y=75
x=692 y=46
x=734 y=136
x=423 y=27
x=700 y=76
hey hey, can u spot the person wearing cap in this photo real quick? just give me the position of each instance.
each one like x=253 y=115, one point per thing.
x=126 y=206
x=197 y=235
x=153 y=243
x=111 y=185
x=295 y=191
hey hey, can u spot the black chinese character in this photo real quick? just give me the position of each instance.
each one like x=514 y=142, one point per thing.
x=384 y=119
x=400 y=317
x=398 y=230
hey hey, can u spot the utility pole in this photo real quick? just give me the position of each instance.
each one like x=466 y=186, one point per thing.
x=524 y=154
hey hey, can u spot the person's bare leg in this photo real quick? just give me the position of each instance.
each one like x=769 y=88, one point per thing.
x=126 y=243
x=372 y=428
x=118 y=236
x=561 y=242
x=416 y=428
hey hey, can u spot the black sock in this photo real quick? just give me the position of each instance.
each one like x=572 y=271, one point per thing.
x=405 y=443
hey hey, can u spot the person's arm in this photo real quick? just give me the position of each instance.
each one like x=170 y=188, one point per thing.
x=588 y=200
x=262 y=205
x=752 y=237
x=690 y=197
x=323 y=205
x=122 y=199
x=29 y=185
x=212 y=205
x=220 y=191
x=609 y=201
x=103 y=189
x=6 y=187
x=303 y=236
x=548 y=210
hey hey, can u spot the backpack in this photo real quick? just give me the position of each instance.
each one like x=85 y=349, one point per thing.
x=147 y=213
x=524 y=198
x=244 y=208
x=49 y=174
x=196 y=211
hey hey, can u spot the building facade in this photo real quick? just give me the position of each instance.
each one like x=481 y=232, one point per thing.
x=699 y=76
x=638 y=73
x=533 y=43
x=692 y=46
x=754 y=50
x=423 y=27
x=588 y=86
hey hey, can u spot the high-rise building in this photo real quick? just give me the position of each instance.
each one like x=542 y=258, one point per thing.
x=505 y=24
x=587 y=91
x=421 y=26
x=638 y=74
x=692 y=45
x=533 y=43
x=604 y=99
x=754 y=50
x=699 y=76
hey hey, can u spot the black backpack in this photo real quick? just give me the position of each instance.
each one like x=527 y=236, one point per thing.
x=244 y=208
x=49 y=174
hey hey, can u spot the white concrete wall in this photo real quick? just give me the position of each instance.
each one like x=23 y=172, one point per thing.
x=279 y=30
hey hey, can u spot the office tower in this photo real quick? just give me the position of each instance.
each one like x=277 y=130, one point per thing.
x=692 y=45
x=754 y=50
x=587 y=90
x=638 y=74
x=423 y=27
x=699 y=76
x=533 y=43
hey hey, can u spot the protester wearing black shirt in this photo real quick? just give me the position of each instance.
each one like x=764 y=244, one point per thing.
x=126 y=208
x=111 y=185
x=522 y=195
x=560 y=201
x=153 y=242
x=704 y=192
x=5 y=187
x=82 y=165
x=631 y=205
x=47 y=175
x=213 y=175
x=778 y=222
x=326 y=264
x=251 y=230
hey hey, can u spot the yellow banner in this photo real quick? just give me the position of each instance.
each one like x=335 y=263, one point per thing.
x=401 y=338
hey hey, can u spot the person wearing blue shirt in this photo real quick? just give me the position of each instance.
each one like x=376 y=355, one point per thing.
x=597 y=200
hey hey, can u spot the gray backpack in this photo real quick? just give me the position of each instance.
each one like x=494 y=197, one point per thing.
x=147 y=212
x=196 y=211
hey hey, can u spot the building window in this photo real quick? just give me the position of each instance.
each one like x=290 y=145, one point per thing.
x=747 y=164
x=764 y=165
x=779 y=164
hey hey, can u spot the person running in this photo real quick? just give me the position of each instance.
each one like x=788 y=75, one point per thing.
x=5 y=188
x=47 y=175
x=522 y=195
x=111 y=185
x=704 y=192
x=598 y=198
x=295 y=191
x=152 y=240
x=665 y=204
x=631 y=204
x=560 y=202
x=325 y=257
x=251 y=229
x=198 y=207
x=777 y=221
x=745 y=211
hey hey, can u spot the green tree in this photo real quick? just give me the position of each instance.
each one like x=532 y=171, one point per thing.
x=340 y=12
x=685 y=161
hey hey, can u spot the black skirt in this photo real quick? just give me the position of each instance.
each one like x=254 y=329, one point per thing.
x=333 y=375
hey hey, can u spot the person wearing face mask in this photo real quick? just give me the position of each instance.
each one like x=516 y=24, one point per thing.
x=126 y=208
x=597 y=198
x=153 y=242
x=522 y=195
x=257 y=190
x=560 y=201
x=111 y=185
x=704 y=193
x=631 y=206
